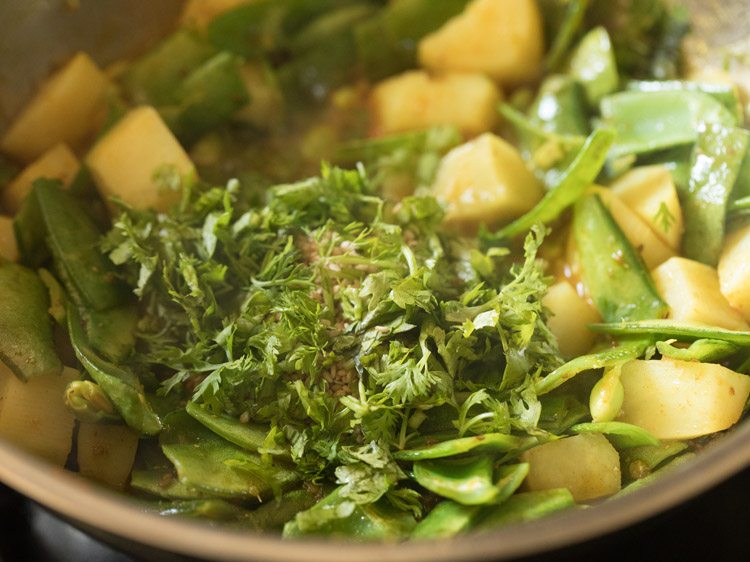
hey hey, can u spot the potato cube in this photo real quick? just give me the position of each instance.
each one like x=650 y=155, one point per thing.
x=734 y=270
x=570 y=315
x=691 y=289
x=33 y=415
x=500 y=38
x=8 y=246
x=415 y=100
x=682 y=399
x=58 y=163
x=64 y=110
x=650 y=192
x=587 y=465
x=106 y=452
x=124 y=162
x=653 y=249
x=485 y=181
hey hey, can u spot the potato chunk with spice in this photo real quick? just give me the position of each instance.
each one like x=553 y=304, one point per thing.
x=691 y=289
x=485 y=181
x=734 y=270
x=587 y=465
x=415 y=100
x=65 y=109
x=682 y=399
x=124 y=162
x=500 y=38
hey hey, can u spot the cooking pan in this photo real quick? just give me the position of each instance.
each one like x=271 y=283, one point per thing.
x=719 y=29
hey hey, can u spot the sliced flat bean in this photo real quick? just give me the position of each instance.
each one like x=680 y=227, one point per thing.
x=26 y=343
x=205 y=461
x=120 y=385
x=593 y=64
x=447 y=519
x=715 y=165
x=670 y=329
x=626 y=351
x=651 y=121
x=577 y=179
x=466 y=481
x=704 y=350
x=612 y=271
x=489 y=442
x=623 y=435
x=250 y=437
x=524 y=507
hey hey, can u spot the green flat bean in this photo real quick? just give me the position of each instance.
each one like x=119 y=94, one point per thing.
x=26 y=343
x=612 y=271
x=671 y=329
x=576 y=180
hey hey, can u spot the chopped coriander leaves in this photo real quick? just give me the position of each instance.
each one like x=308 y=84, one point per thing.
x=337 y=321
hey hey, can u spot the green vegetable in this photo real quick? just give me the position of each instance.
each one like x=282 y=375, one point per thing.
x=577 y=179
x=675 y=463
x=88 y=403
x=491 y=442
x=111 y=332
x=26 y=347
x=207 y=97
x=726 y=94
x=639 y=462
x=593 y=65
x=73 y=239
x=250 y=437
x=205 y=461
x=623 y=435
x=660 y=329
x=560 y=108
x=650 y=121
x=627 y=350
x=152 y=77
x=335 y=517
x=526 y=506
x=447 y=519
x=704 y=350
x=469 y=481
x=121 y=386
x=387 y=43
x=325 y=54
x=564 y=28
x=613 y=273
x=717 y=158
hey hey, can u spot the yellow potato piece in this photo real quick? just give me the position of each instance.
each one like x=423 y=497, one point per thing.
x=650 y=192
x=587 y=465
x=734 y=270
x=106 y=453
x=58 y=163
x=501 y=38
x=681 y=400
x=653 y=249
x=415 y=100
x=691 y=289
x=8 y=246
x=485 y=181
x=124 y=162
x=65 y=109
x=570 y=315
x=33 y=415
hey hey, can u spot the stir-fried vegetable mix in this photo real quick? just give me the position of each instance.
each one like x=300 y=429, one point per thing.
x=378 y=270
